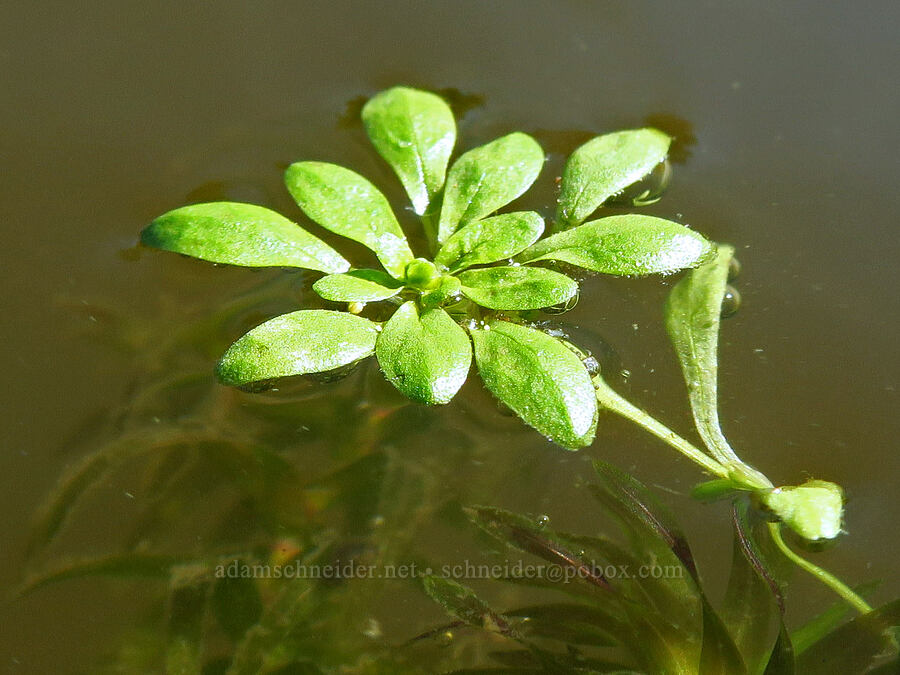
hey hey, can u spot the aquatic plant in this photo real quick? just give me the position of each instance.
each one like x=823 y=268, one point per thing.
x=424 y=318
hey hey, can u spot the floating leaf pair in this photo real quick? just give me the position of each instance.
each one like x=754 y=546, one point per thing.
x=483 y=263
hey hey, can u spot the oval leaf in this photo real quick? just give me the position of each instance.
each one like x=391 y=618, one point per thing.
x=426 y=357
x=517 y=287
x=447 y=293
x=488 y=178
x=540 y=378
x=347 y=204
x=357 y=286
x=241 y=234
x=624 y=245
x=308 y=341
x=414 y=132
x=604 y=166
x=489 y=240
x=693 y=313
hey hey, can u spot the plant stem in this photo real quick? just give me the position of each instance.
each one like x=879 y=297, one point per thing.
x=826 y=578
x=608 y=398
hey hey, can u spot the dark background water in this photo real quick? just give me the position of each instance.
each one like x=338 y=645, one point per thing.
x=111 y=114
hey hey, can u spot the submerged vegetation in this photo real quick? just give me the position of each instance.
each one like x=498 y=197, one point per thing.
x=425 y=315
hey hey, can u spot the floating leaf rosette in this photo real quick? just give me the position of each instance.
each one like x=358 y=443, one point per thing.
x=486 y=268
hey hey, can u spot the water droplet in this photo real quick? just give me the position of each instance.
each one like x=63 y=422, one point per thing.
x=734 y=269
x=648 y=190
x=731 y=302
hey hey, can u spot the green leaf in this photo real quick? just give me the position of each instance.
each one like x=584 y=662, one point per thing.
x=347 y=204
x=237 y=604
x=488 y=178
x=693 y=314
x=448 y=291
x=753 y=598
x=630 y=244
x=604 y=166
x=540 y=378
x=241 y=234
x=822 y=624
x=855 y=646
x=357 y=286
x=814 y=510
x=414 y=132
x=517 y=287
x=489 y=240
x=462 y=603
x=427 y=356
x=308 y=341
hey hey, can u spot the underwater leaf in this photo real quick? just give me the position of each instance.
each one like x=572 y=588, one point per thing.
x=781 y=659
x=517 y=287
x=308 y=341
x=485 y=241
x=753 y=598
x=462 y=603
x=357 y=286
x=241 y=234
x=540 y=378
x=693 y=313
x=124 y=565
x=629 y=244
x=487 y=178
x=188 y=593
x=855 y=646
x=342 y=201
x=427 y=356
x=571 y=623
x=604 y=166
x=236 y=603
x=414 y=131
x=820 y=625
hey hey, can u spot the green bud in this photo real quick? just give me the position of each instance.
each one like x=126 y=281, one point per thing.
x=422 y=274
x=812 y=510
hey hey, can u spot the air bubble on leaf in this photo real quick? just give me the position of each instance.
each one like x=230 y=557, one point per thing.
x=445 y=639
x=563 y=307
x=543 y=520
x=592 y=365
x=648 y=190
x=734 y=269
x=731 y=302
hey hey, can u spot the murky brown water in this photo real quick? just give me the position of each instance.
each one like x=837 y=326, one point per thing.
x=112 y=114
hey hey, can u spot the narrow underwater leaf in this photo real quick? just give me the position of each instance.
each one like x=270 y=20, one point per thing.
x=241 y=234
x=342 y=201
x=629 y=244
x=693 y=313
x=357 y=286
x=488 y=178
x=308 y=341
x=540 y=378
x=462 y=603
x=822 y=624
x=188 y=595
x=486 y=241
x=604 y=166
x=753 y=599
x=414 y=131
x=427 y=356
x=120 y=565
x=237 y=604
x=517 y=287
x=857 y=645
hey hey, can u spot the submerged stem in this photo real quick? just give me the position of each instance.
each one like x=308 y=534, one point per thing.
x=610 y=399
x=826 y=578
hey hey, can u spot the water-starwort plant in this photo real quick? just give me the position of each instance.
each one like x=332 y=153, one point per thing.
x=466 y=295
